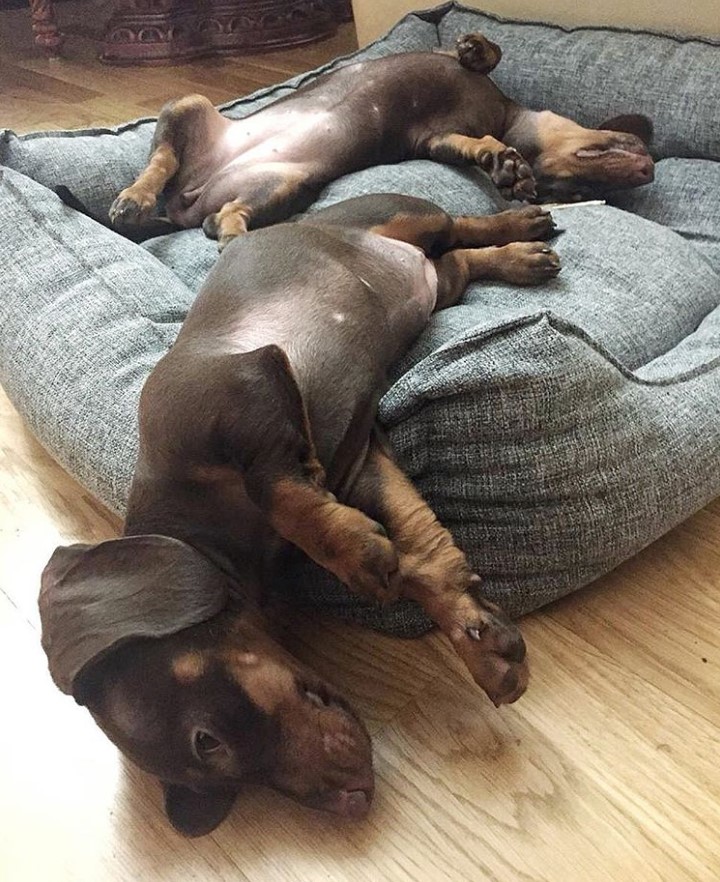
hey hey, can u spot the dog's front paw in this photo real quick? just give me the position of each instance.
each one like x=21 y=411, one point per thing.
x=374 y=572
x=510 y=173
x=529 y=223
x=528 y=263
x=132 y=206
x=491 y=646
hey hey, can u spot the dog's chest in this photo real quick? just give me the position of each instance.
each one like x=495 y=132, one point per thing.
x=399 y=276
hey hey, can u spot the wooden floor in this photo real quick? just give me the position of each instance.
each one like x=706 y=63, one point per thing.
x=608 y=769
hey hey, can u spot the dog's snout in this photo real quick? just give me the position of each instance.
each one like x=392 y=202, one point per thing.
x=353 y=803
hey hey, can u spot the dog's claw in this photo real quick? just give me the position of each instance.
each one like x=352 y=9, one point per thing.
x=131 y=207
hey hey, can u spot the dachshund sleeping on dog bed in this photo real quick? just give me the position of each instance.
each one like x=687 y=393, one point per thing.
x=257 y=429
x=232 y=175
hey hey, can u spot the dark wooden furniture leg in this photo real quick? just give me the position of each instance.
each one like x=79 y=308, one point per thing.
x=47 y=35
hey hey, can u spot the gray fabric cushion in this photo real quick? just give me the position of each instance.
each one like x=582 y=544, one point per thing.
x=683 y=197
x=555 y=430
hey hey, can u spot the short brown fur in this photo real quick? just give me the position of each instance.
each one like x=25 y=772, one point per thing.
x=256 y=442
x=237 y=175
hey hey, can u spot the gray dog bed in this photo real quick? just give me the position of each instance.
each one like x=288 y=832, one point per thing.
x=555 y=430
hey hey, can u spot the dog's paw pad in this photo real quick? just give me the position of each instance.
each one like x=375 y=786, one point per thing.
x=477 y=53
x=511 y=174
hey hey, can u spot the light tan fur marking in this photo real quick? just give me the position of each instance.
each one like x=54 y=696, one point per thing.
x=232 y=220
x=464 y=147
x=267 y=683
x=434 y=572
x=188 y=667
x=342 y=539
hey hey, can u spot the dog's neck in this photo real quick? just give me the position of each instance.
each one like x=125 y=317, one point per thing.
x=532 y=132
x=212 y=517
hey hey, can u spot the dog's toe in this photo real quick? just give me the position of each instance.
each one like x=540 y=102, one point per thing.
x=530 y=263
x=511 y=174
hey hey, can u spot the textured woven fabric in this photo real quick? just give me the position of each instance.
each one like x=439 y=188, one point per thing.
x=555 y=430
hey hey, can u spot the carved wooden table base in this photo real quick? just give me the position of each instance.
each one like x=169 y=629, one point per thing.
x=165 y=31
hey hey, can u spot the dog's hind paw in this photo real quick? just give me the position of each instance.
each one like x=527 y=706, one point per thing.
x=132 y=206
x=528 y=263
x=531 y=223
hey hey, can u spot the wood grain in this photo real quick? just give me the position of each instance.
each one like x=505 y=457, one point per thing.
x=606 y=771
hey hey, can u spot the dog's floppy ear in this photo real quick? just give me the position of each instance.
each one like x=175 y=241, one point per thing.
x=633 y=123
x=95 y=597
x=195 y=814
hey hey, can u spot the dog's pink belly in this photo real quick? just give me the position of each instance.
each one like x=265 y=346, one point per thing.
x=262 y=154
x=389 y=294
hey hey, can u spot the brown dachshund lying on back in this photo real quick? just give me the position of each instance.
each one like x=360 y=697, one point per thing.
x=256 y=436
x=229 y=176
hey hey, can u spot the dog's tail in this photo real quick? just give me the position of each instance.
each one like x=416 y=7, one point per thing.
x=158 y=226
x=475 y=52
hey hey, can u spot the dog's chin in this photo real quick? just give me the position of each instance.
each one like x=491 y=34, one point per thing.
x=567 y=191
x=346 y=803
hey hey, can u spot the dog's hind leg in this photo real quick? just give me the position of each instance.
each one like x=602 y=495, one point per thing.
x=501 y=246
x=267 y=193
x=423 y=224
x=434 y=572
x=520 y=263
x=182 y=122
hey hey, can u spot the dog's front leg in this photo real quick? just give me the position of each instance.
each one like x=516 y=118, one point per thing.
x=284 y=479
x=507 y=169
x=434 y=572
